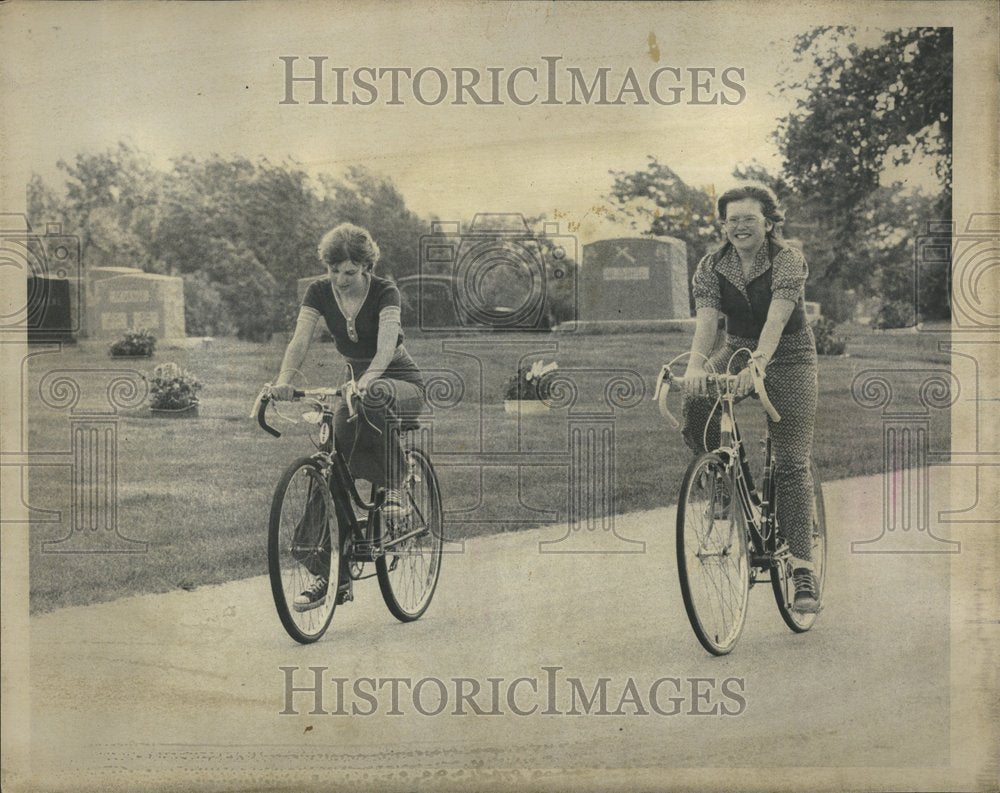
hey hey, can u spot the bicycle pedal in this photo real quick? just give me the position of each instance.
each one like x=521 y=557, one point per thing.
x=345 y=596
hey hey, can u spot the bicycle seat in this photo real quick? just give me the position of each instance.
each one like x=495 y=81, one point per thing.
x=409 y=424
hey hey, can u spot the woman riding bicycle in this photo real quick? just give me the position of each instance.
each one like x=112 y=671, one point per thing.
x=362 y=313
x=756 y=281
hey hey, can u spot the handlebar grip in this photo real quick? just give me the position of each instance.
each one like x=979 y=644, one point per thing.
x=758 y=384
x=262 y=403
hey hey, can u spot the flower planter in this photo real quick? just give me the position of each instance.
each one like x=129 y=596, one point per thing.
x=525 y=407
x=191 y=411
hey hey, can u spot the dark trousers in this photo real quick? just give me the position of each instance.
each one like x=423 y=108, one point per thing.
x=370 y=443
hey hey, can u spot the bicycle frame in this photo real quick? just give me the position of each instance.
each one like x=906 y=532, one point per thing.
x=367 y=544
x=758 y=506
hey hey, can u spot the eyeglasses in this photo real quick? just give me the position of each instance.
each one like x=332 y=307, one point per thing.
x=745 y=220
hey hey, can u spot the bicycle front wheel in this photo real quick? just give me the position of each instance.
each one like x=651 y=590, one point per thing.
x=781 y=575
x=712 y=560
x=408 y=570
x=303 y=551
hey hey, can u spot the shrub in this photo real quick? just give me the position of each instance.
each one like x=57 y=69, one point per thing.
x=894 y=314
x=135 y=342
x=839 y=303
x=205 y=313
x=827 y=341
x=172 y=388
x=530 y=382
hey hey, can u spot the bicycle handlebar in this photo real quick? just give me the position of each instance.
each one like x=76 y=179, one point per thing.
x=725 y=382
x=264 y=398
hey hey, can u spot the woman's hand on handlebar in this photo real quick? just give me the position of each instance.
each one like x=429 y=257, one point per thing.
x=365 y=381
x=695 y=380
x=283 y=393
x=744 y=383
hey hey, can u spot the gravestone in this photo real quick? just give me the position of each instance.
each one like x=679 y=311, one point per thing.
x=49 y=262
x=634 y=280
x=122 y=299
x=51 y=309
x=428 y=301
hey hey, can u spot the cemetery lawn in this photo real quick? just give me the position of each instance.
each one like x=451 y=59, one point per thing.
x=197 y=491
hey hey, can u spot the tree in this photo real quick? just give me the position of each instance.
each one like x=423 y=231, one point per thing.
x=657 y=199
x=860 y=110
x=373 y=202
x=111 y=204
x=248 y=229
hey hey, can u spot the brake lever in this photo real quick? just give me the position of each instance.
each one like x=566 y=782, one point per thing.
x=349 y=392
x=664 y=371
x=660 y=393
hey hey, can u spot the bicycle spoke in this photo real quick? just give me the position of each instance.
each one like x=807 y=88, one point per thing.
x=301 y=550
x=711 y=556
x=408 y=571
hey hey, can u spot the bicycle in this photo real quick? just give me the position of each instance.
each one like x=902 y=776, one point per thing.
x=729 y=532
x=313 y=529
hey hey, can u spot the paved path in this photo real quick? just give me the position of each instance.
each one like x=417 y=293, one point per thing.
x=189 y=684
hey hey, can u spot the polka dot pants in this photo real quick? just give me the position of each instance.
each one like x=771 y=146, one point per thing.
x=791 y=385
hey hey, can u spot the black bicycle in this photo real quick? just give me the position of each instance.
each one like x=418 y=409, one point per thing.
x=316 y=537
x=729 y=532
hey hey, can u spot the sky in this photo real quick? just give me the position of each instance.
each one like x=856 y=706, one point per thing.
x=179 y=78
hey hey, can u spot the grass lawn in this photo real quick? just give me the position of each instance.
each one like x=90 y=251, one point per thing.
x=197 y=491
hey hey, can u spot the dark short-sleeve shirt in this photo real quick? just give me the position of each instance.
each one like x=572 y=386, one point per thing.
x=382 y=294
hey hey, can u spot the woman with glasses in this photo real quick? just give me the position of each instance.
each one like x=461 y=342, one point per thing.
x=756 y=281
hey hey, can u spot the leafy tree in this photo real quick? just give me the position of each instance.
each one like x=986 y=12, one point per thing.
x=205 y=312
x=240 y=231
x=246 y=288
x=373 y=202
x=110 y=204
x=660 y=204
x=860 y=110
x=865 y=107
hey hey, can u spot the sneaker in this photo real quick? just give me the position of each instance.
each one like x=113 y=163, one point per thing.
x=396 y=505
x=313 y=596
x=806 y=592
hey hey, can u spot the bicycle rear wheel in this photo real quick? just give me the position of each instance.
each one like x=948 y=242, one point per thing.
x=781 y=575
x=408 y=571
x=712 y=559
x=302 y=548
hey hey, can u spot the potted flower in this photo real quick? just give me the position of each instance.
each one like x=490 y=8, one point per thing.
x=173 y=392
x=134 y=344
x=528 y=390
